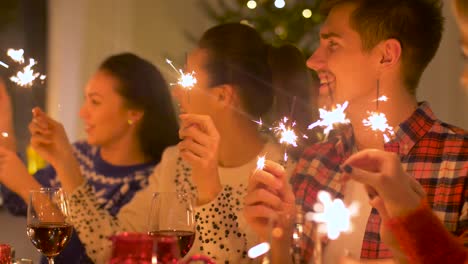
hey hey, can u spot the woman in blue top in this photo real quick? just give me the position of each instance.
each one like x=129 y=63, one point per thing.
x=129 y=121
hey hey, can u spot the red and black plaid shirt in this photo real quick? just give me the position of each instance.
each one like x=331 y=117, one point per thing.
x=435 y=153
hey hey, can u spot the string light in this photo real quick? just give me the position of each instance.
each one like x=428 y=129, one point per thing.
x=280 y=3
x=307 y=13
x=251 y=4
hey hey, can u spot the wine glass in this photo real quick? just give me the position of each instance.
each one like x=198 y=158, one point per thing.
x=172 y=225
x=48 y=224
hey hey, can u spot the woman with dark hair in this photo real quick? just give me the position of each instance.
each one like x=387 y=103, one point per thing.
x=239 y=79
x=129 y=121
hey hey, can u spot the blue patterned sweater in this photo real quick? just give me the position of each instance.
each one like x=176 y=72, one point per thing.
x=113 y=185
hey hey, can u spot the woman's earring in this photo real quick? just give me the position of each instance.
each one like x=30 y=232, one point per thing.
x=130 y=122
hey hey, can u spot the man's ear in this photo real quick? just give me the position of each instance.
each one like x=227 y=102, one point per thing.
x=389 y=53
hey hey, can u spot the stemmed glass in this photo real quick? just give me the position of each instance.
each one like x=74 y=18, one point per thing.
x=172 y=225
x=48 y=224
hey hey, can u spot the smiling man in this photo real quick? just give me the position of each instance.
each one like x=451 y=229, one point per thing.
x=369 y=46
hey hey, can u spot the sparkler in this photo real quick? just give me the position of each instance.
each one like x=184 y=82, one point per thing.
x=285 y=133
x=332 y=216
x=4 y=134
x=16 y=55
x=261 y=163
x=185 y=80
x=329 y=119
x=4 y=64
x=377 y=121
x=287 y=136
x=26 y=76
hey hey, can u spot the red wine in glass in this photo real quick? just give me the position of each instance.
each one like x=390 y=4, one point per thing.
x=184 y=239
x=48 y=221
x=172 y=224
x=50 y=238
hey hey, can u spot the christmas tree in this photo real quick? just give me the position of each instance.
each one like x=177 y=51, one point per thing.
x=279 y=21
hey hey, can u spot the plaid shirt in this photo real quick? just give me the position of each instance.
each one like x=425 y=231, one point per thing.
x=435 y=153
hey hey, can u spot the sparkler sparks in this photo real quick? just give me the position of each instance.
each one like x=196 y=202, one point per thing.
x=286 y=134
x=330 y=118
x=4 y=64
x=4 y=134
x=382 y=98
x=27 y=76
x=185 y=80
x=16 y=55
x=378 y=122
x=261 y=163
x=332 y=216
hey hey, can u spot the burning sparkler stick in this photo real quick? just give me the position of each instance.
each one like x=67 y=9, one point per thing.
x=332 y=216
x=4 y=64
x=377 y=121
x=261 y=162
x=26 y=76
x=185 y=80
x=16 y=55
x=287 y=136
x=329 y=119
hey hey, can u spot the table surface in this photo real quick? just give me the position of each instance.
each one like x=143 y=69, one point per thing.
x=13 y=232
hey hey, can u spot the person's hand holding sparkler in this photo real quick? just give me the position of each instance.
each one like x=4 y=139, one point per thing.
x=391 y=190
x=199 y=148
x=269 y=203
x=49 y=140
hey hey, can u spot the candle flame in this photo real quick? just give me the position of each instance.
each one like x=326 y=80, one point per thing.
x=332 y=216
x=378 y=122
x=258 y=250
x=185 y=80
x=16 y=55
x=330 y=118
x=27 y=76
